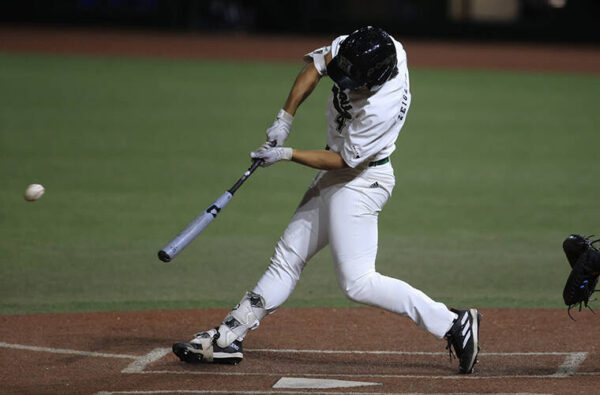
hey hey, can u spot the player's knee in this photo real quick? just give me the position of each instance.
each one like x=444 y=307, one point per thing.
x=358 y=289
x=354 y=294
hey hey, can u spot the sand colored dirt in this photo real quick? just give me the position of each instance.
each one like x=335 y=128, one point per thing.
x=523 y=351
x=497 y=56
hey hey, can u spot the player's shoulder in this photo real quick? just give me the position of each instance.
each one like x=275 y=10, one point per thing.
x=335 y=44
x=400 y=52
x=334 y=48
x=379 y=107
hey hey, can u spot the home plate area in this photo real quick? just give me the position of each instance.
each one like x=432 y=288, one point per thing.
x=291 y=369
x=329 y=369
x=364 y=371
x=299 y=352
x=366 y=365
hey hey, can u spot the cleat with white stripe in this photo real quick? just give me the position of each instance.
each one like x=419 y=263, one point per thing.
x=204 y=348
x=463 y=337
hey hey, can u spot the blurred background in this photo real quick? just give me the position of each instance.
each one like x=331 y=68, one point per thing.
x=136 y=114
x=539 y=20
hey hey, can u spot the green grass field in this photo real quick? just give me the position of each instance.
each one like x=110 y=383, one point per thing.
x=494 y=170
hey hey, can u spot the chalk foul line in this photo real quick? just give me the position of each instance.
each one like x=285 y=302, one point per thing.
x=229 y=392
x=140 y=363
x=247 y=392
x=569 y=367
x=385 y=352
x=66 y=351
x=571 y=364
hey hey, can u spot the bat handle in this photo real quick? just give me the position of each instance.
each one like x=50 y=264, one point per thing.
x=255 y=164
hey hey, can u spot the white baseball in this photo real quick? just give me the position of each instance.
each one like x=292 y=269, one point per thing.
x=34 y=192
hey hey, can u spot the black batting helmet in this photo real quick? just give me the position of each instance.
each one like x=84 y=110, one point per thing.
x=367 y=57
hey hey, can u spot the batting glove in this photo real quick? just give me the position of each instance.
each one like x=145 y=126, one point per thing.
x=271 y=155
x=281 y=127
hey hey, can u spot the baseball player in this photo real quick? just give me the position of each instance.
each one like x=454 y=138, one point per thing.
x=366 y=110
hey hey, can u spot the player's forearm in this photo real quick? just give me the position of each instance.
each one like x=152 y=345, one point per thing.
x=305 y=83
x=319 y=159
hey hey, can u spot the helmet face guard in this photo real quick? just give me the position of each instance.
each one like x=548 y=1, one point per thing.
x=367 y=57
x=340 y=71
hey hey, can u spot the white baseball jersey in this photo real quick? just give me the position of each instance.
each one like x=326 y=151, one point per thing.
x=363 y=125
x=341 y=207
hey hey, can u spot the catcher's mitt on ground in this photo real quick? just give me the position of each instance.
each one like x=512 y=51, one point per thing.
x=585 y=263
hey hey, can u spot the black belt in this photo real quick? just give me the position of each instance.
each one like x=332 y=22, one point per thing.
x=379 y=162
x=371 y=164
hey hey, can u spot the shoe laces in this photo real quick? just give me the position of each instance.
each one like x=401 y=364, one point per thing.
x=451 y=354
x=211 y=333
x=451 y=336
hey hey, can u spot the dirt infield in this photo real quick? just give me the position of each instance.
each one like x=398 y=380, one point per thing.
x=295 y=350
x=530 y=57
x=523 y=351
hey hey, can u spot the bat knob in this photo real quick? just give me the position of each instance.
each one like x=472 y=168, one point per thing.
x=163 y=256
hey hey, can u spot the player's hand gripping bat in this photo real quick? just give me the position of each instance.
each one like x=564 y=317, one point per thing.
x=200 y=223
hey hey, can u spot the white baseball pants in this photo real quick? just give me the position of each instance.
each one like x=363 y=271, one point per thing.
x=341 y=208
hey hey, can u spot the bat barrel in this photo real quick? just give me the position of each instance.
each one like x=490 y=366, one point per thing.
x=195 y=227
x=164 y=256
x=201 y=222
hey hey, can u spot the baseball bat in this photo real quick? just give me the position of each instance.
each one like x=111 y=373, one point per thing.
x=200 y=223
